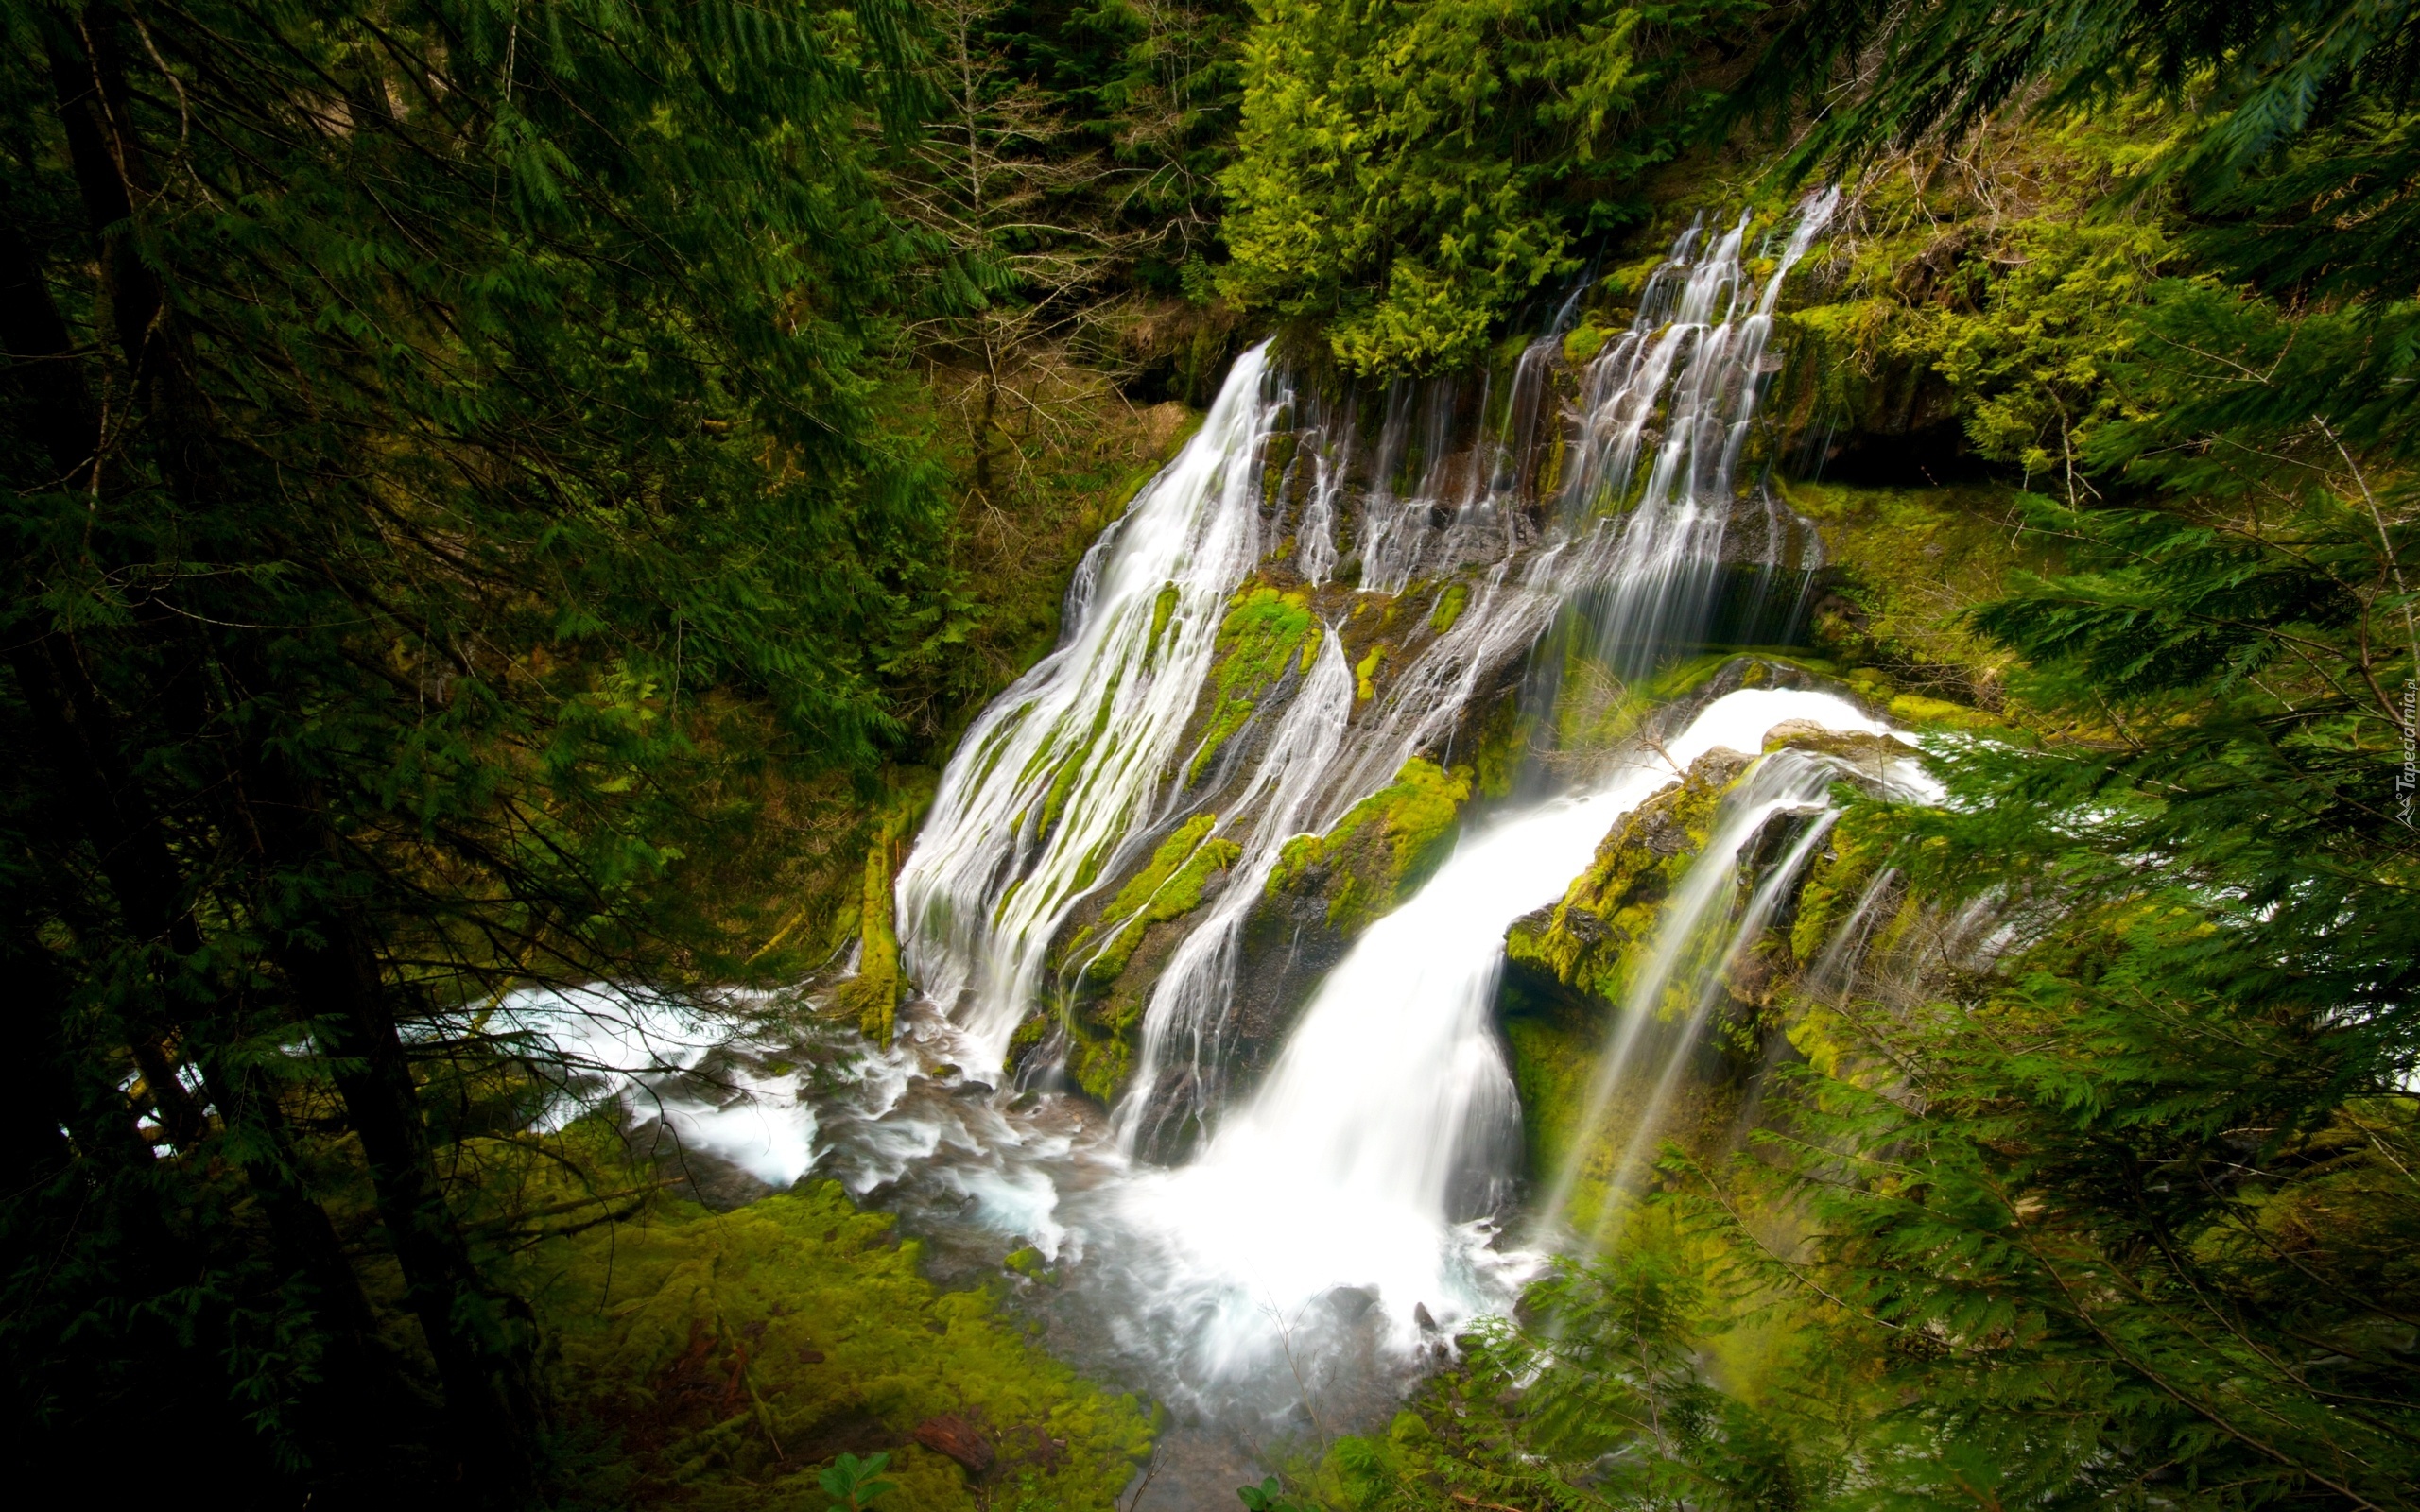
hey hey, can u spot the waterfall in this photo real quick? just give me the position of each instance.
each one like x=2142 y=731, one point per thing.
x=1063 y=781
x=1364 y=1167
x=1189 y=1003
x=1386 y=1124
x=1703 y=933
x=1692 y=357
x=1060 y=781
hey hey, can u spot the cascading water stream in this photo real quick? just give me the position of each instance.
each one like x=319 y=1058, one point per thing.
x=1387 y=1122
x=1190 y=1003
x=1061 y=776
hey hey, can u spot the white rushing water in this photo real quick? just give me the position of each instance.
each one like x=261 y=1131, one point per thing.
x=1061 y=777
x=1343 y=1169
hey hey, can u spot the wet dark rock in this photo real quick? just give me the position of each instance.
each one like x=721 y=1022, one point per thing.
x=1349 y=1302
x=1420 y=1315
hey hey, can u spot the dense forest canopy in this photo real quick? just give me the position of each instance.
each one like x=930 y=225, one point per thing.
x=507 y=493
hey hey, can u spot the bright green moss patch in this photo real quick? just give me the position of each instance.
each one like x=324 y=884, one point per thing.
x=1587 y=941
x=1450 y=606
x=1163 y=608
x=734 y=1355
x=1916 y=709
x=1264 y=628
x=1382 y=850
x=1365 y=674
x=1584 y=342
x=1169 y=887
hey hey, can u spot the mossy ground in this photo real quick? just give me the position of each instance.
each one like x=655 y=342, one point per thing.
x=720 y=1359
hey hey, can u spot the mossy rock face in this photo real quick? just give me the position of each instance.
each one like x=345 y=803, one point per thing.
x=1267 y=632
x=1107 y=964
x=1382 y=850
x=1586 y=942
x=734 y=1355
x=1325 y=890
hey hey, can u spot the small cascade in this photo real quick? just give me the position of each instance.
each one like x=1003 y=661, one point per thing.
x=1704 y=932
x=1694 y=360
x=1191 y=1002
x=1062 y=778
x=1834 y=975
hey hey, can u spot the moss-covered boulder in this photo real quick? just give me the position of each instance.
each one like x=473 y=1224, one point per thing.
x=1382 y=850
x=1585 y=942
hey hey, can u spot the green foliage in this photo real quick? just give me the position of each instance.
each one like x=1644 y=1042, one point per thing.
x=851 y=1482
x=1597 y=1395
x=456 y=478
x=1406 y=173
x=1270 y=1497
x=2299 y=138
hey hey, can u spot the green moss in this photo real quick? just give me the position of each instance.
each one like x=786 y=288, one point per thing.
x=1027 y=1262
x=733 y=1354
x=1585 y=941
x=1860 y=845
x=1365 y=672
x=1596 y=710
x=1163 y=608
x=1169 y=887
x=1503 y=741
x=1071 y=766
x=1382 y=850
x=1908 y=564
x=1264 y=628
x=1914 y=709
x=872 y=995
x=1584 y=342
x=1554 y=1055
x=1450 y=606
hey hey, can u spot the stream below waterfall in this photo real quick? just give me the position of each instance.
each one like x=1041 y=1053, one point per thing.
x=1347 y=1202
